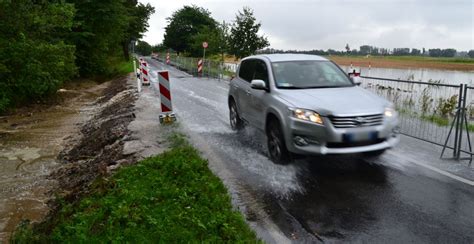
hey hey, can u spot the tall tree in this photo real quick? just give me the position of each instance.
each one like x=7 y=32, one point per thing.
x=137 y=23
x=184 y=24
x=223 y=38
x=206 y=34
x=348 y=49
x=102 y=31
x=143 y=48
x=244 y=39
x=34 y=60
x=471 y=53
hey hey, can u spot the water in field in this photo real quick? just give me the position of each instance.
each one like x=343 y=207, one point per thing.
x=454 y=77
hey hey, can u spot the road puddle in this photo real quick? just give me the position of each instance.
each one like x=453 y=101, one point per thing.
x=29 y=144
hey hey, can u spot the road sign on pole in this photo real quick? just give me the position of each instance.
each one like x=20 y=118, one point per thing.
x=204 y=45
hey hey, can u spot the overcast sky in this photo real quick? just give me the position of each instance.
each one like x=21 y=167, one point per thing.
x=324 y=24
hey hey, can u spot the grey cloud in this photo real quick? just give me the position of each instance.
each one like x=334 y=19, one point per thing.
x=323 y=24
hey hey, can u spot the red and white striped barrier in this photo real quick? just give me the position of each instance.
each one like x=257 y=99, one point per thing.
x=165 y=94
x=167 y=115
x=167 y=58
x=354 y=73
x=144 y=73
x=200 y=66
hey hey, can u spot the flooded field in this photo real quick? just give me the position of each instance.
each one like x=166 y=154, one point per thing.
x=29 y=144
x=454 y=77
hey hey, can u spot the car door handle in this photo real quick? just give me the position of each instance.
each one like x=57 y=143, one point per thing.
x=235 y=86
x=248 y=93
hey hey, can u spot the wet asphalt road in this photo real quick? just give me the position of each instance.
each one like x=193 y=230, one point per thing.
x=329 y=199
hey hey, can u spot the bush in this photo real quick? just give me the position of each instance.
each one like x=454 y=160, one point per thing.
x=33 y=60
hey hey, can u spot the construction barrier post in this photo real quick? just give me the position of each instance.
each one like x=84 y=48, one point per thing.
x=167 y=116
x=137 y=75
x=199 y=67
x=144 y=73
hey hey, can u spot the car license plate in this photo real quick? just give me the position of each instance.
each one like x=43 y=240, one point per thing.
x=355 y=137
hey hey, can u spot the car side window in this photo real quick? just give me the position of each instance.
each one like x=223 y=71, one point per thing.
x=246 y=70
x=261 y=71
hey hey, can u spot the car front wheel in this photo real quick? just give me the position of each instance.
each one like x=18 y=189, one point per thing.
x=276 y=144
x=236 y=122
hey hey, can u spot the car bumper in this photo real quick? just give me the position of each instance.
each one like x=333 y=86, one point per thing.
x=307 y=138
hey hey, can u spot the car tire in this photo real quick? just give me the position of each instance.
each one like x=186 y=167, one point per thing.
x=374 y=154
x=277 y=150
x=236 y=123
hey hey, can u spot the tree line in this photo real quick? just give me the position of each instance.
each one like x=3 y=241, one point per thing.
x=45 y=43
x=376 y=51
x=190 y=26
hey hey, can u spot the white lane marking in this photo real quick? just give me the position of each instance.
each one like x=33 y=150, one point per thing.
x=440 y=171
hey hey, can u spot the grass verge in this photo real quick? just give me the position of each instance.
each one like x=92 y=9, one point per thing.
x=121 y=66
x=436 y=119
x=172 y=197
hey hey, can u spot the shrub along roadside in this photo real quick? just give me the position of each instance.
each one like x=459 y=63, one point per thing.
x=47 y=43
x=172 y=197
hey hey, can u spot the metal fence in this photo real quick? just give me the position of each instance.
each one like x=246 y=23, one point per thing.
x=430 y=111
x=467 y=120
x=210 y=68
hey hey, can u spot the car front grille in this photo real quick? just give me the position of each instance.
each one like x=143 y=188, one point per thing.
x=357 y=121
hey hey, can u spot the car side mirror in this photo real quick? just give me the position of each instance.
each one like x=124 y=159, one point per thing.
x=258 y=85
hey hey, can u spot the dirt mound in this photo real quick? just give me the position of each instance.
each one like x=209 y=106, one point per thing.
x=101 y=143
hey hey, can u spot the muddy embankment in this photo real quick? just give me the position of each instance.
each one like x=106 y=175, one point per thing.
x=57 y=150
x=99 y=147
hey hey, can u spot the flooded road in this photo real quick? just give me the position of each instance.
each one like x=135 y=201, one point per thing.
x=29 y=145
x=332 y=199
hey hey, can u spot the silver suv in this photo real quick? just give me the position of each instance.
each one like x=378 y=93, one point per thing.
x=307 y=105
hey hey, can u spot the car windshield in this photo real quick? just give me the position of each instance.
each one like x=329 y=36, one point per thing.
x=308 y=74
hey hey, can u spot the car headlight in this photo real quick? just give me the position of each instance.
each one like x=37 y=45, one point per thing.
x=390 y=112
x=307 y=115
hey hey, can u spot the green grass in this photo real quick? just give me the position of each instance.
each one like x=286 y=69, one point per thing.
x=436 y=119
x=470 y=127
x=122 y=67
x=169 y=198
